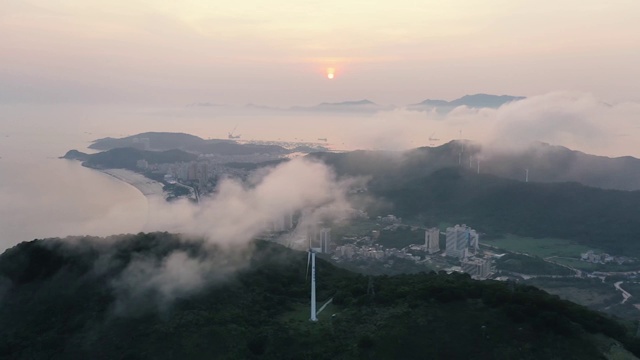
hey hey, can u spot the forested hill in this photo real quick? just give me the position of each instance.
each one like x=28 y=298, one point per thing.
x=168 y=141
x=543 y=162
x=604 y=219
x=127 y=158
x=64 y=299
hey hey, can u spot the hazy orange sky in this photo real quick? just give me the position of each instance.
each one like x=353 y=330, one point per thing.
x=276 y=52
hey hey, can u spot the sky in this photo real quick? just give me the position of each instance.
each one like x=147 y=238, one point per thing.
x=277 y=52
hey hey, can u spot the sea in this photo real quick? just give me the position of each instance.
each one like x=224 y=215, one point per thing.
x=43 y=196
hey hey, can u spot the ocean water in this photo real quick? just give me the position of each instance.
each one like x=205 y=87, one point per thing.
x=42 y=196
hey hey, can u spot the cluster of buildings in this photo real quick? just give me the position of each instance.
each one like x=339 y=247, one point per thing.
x=463 y=243
x=377 y=252
x=461 y=248
x=201 y=174
x=592 y=257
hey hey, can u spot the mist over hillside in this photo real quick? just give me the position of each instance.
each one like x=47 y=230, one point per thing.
x=535 y=162
x=138 y=296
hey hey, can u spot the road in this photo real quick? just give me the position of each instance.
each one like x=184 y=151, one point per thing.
x=625 y=294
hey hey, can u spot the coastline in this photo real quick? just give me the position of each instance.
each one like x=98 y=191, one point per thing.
x=148 y=188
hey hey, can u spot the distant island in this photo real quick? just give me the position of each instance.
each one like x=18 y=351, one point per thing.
x=359 y=106
x=185 y=164
x=471 y=101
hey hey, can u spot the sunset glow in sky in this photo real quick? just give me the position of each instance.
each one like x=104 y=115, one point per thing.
x=267 y=52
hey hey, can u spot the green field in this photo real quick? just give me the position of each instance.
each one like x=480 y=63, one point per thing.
x=530 y=265
x=544 y=247
x=560 y=251
x=588 y=292
x=359 y=227
x=578 y=264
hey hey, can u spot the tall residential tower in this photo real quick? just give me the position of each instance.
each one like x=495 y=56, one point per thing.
x=432 y=240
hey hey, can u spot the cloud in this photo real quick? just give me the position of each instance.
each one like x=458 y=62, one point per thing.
x=227 y=223
x=576 y=120
x=238 y=212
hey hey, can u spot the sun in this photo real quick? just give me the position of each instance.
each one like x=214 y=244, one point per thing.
x=331 y=73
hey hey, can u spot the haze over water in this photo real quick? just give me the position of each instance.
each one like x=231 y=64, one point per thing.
x=44 y=196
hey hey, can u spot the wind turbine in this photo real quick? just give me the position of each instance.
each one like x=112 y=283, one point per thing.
x=432 y=139
x=311 y=257
x=231 y=136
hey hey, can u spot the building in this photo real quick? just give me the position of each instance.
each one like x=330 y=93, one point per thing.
x=192 y=171
x=202 y=173
x=347 y=251
x=319 y=241
x=432 y=240
x=477 y=268
x=461 y=240
x=283 y=223
x=325 y=240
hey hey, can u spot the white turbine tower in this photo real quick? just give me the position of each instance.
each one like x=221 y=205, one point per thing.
x=311 y=257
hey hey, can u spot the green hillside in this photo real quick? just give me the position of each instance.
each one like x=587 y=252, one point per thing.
x=605 y=219
x=62 y=299
x=423 y=187
x=127 y=158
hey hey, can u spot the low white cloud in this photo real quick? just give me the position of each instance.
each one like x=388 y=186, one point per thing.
x=227 y=223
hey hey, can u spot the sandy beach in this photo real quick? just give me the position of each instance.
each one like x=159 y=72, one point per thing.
x=148 y=187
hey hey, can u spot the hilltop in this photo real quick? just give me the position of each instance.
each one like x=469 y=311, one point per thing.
x=363 y=106
x=471 y=101
x=160 y=141
x=68 y=299
x=542 y=162
x=127 y=158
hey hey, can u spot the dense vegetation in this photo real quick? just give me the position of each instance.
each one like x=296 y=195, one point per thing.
x=61 y=299
x=127 y=158
x=605 y=219
x=169 y=141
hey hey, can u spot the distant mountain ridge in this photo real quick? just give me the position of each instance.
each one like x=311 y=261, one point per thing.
x=367 y=106
x=472 y=101
x=364 y=105
x=350 y=103
x=540 y=161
